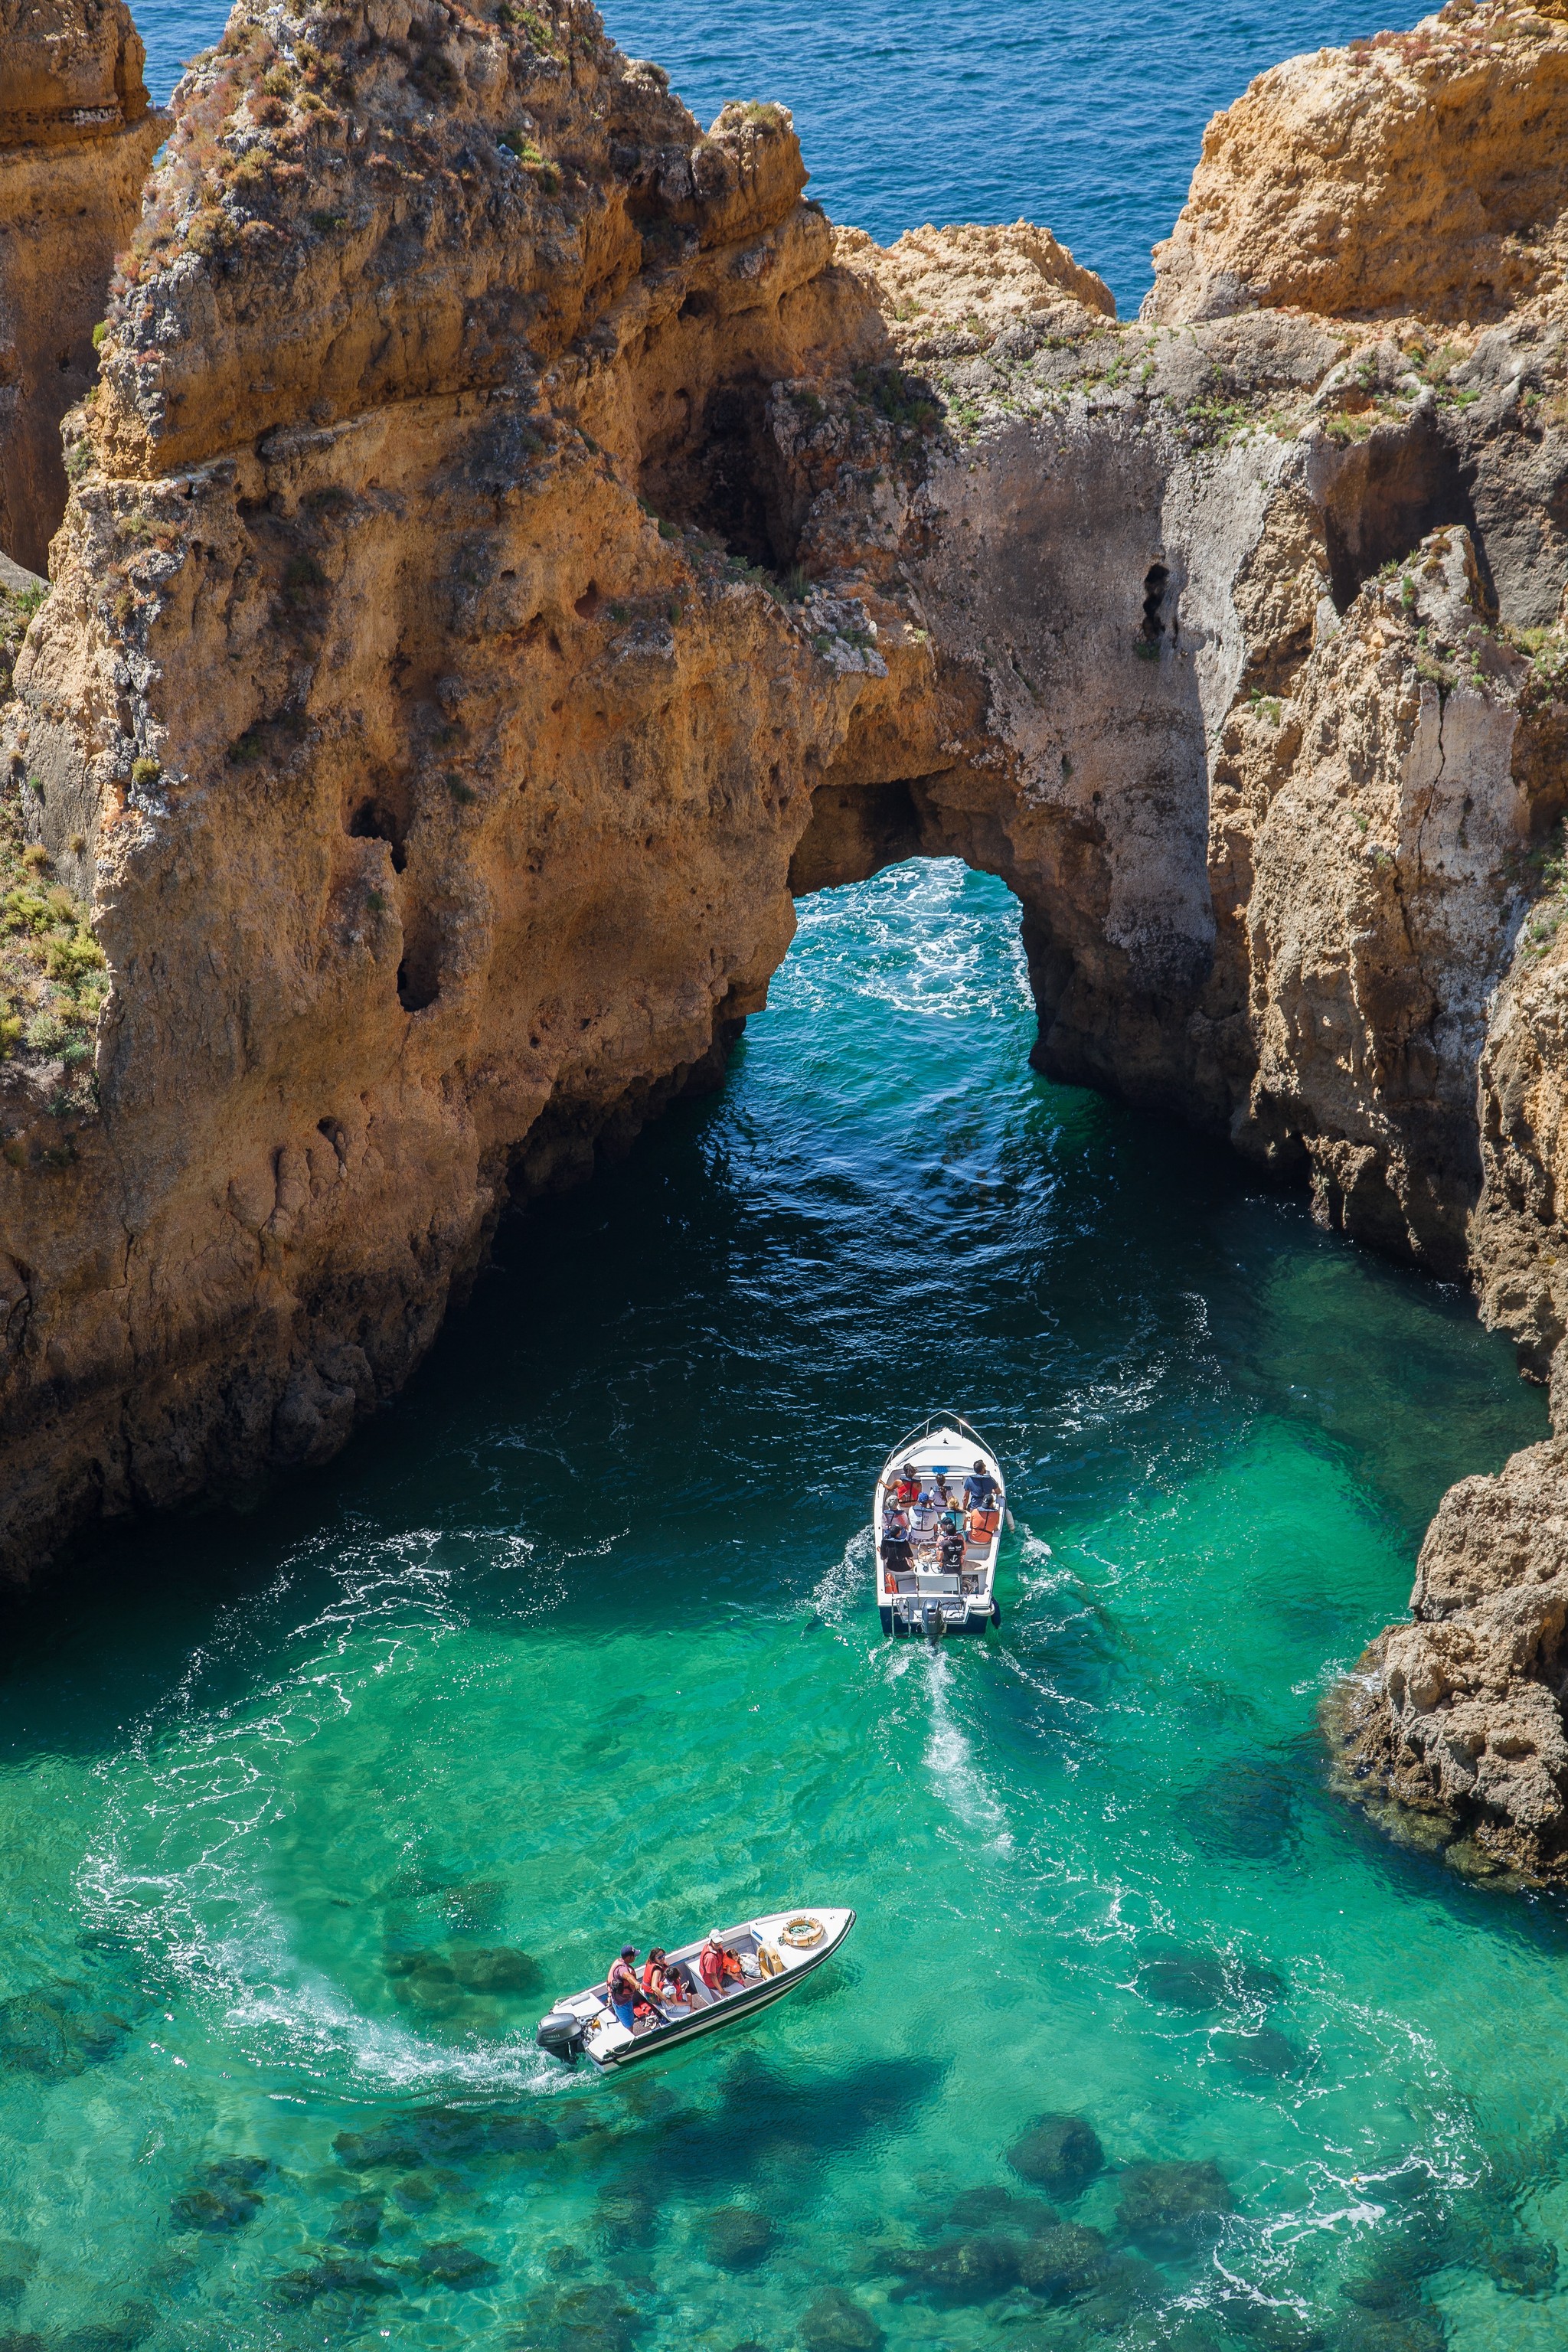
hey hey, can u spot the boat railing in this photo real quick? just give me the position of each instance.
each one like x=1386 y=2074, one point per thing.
x=941 y=1420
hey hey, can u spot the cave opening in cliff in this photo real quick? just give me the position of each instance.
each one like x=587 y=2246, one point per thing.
x=1156 y=580
x=376 y=820
x=724 y=478
x=1390 y=491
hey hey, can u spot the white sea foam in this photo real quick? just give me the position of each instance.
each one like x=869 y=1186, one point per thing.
x=950 y=1759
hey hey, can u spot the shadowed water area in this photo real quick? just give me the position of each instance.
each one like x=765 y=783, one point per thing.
x=304 y=1819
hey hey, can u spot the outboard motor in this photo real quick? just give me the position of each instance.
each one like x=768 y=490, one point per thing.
x=561 y=2033
x=935 y=1620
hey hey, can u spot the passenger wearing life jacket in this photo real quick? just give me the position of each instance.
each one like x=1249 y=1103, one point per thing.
x=979 y=1489
x=907 y=1492
x=623 y=1989
x=655 y=1983
x=950 y=1544
x=718 y=1967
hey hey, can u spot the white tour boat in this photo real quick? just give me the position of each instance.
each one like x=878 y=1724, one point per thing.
x=775 y=1953
x=922 y=1592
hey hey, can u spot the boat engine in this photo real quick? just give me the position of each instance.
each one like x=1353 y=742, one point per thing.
x=562 y=2035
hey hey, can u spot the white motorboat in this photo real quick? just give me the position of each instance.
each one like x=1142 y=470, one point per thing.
x=921 y=1589
x=775 y=1953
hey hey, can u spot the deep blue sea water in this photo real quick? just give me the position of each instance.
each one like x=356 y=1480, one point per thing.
x=1085 y=115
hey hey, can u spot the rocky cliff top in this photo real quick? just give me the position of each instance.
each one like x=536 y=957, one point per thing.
x=68 y=69
x=406 y=200
x=1418 y=173
x=942 y=292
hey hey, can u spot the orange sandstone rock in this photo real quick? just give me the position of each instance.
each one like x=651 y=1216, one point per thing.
x=1422 y=172
x=76 y=134
x=947 y=290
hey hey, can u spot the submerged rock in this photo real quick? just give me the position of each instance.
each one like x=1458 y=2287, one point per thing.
x=591 y=2318
x=1244 y=1810
x=1174 y=2204
x=415 y=2192
x=221 y=2195
x=967 y=2270
x=973 y=2208
x=451 y=2264
x=1198 y=1980
x=17 y=2263
x=1062 y=2261
x=122 y=2335
x=333 y=2274
x=833 y=2322
x=627 y=2214
x=495 y=1969
x=1272 y=2327
x=736 y=2238
x=1263 y=2053
x=1061 y=2153
x=357 y=2221
x=1417 y=2330
x=433 y=2133
x=1120 y=2288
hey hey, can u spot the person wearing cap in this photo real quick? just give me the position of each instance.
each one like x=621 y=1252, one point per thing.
x=896 y=1557
x=718 y=1967
x=623 y=1989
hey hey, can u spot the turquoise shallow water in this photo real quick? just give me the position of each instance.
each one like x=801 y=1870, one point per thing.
x=577 y=1642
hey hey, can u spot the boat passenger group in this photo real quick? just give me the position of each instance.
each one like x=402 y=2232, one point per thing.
x=665 y=1984
x=924 y=1516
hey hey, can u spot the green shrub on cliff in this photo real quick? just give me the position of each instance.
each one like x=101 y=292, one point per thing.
x=53 y=980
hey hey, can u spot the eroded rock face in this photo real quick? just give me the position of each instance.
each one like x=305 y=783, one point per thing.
x=1419 y=174
x=945 y=291
x=76 y=134
x=436 y=802
x=1457 y=1719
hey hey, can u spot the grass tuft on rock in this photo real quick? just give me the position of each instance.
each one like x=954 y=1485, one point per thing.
x=52 y=976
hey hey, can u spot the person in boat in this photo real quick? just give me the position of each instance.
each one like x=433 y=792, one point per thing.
x=718 y=1967
x=623 y=1989
x=656 y=1980
x=897 y=1557
x=681 y=1983
x=906 y=1494
x=979 y=1489
x=950 y=1544
x=672 y=1983
x=923 y=1516
x=941 y=1492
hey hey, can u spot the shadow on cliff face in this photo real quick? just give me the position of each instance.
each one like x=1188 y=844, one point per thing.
x=1387 y=492
x=725 y=480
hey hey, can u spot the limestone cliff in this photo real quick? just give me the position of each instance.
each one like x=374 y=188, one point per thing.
x=1422 y=173
x=76 y=134
x=516 y=541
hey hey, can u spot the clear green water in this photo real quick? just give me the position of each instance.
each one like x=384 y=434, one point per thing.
x=577 y=1644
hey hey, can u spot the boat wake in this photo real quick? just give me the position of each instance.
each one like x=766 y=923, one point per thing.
x=949 y=1760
